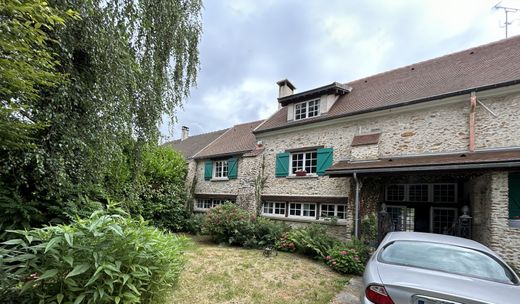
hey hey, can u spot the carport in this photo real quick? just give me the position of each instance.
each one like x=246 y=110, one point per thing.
x=427 y=193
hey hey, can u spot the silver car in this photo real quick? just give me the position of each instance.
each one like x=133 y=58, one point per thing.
x=427 y=268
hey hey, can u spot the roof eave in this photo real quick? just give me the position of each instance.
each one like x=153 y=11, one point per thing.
x=393 y=106
x=334 y=88
x=424 y=168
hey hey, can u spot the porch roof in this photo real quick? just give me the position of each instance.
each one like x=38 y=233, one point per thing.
x=497 y=159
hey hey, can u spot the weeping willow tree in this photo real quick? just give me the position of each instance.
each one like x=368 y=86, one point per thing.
x=121 y=66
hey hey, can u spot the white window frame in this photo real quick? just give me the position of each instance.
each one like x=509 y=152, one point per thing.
x=306 y=113
x=335 y=212
x=304 y=160
x=302 y=210
x=220 y=169
x=204 y=204
x=274 y=206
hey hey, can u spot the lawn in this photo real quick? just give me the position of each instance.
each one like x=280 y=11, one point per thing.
x=221 y=274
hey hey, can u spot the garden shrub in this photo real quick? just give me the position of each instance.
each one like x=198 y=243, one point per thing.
x=106 y=258
x=312 y=240
x=266 y=232
x=228 y=223
x=193 y=223
x=345 y=260
x=369 y=229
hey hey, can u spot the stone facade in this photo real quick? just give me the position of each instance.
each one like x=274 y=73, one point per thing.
x=243 y=186
x=434 y=127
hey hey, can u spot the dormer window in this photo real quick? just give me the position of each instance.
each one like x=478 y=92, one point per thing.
x=307 y=109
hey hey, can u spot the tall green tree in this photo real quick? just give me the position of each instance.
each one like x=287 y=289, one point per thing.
x=127 y=62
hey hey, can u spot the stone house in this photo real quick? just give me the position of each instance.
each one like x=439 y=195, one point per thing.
x=430 y=143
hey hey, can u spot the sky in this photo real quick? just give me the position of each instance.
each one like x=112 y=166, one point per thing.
x=249 y=45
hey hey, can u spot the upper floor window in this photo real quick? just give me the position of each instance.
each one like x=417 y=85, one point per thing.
x=304 y=161
x=307 y=109
x=220 y=169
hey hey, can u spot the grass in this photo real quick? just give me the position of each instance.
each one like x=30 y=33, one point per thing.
x=220 y=274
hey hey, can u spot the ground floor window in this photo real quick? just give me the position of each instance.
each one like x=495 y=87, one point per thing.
x=443 y=220
x=330 y=211
x=207 y=203
x=271 y=208
x=315 y=211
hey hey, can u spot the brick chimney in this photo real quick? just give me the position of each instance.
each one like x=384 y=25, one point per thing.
x=185 y=132
x=286 y=88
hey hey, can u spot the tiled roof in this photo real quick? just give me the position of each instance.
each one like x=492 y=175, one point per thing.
x=236 y=140
x=453 y=161
x=485 y=66
x=193 y=144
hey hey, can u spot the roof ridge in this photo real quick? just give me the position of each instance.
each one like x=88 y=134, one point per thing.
x=193 y=136
x=210 y=143
x=435 y=58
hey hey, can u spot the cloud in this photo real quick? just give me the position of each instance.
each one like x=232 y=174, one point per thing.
x=248 y=45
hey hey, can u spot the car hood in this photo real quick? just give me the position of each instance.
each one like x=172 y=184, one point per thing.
x=402 y=282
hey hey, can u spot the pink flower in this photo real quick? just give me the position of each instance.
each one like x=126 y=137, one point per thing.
x=356 y=258
x=328 y=257
x=334 y=263
x=343 y=252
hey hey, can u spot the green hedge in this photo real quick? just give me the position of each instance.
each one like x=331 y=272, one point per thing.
x=106 y=258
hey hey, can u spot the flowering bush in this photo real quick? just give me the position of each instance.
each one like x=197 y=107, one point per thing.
x=345 y=260
x=285 y=244
x=228 y=223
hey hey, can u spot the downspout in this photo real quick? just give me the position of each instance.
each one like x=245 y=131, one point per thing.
x=472 y=110
x=356 y=217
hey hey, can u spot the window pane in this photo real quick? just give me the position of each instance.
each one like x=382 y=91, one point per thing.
x=310 y=162
x=279 y=208
x=314 y=108
x=327 y=210
x=207 y=203
x=309 y=210
x=297 y=162
x=295 y=209
x=418 y=193
x=395 y=193
x=443 y=220
x=342 y=212
x=444 y=193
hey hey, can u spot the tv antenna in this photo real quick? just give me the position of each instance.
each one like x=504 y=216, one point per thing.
x=507 y=10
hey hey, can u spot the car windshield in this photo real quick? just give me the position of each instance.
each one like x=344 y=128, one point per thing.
x=447 y=258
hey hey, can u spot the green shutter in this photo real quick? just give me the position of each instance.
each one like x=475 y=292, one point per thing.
x=232 y=168
x=324 y=160
x=208 y=169
x=514 y=195
x=282 y=164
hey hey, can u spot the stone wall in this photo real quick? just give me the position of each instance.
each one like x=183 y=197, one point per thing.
x=243 y=186
x=502 y=238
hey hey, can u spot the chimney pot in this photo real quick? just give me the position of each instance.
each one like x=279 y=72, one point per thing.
x=286 y=88
x=185 y=132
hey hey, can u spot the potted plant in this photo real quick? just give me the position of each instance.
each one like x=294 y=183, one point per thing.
x=514 y=222
x=301 y=173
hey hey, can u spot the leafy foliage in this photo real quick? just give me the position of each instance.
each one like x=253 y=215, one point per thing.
x=228 y=223
x=120 y=64
x=369 y=229
x=106 y=258
x=233 y=225
x=312 y=240
x=162 y=194
x=345 y=260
